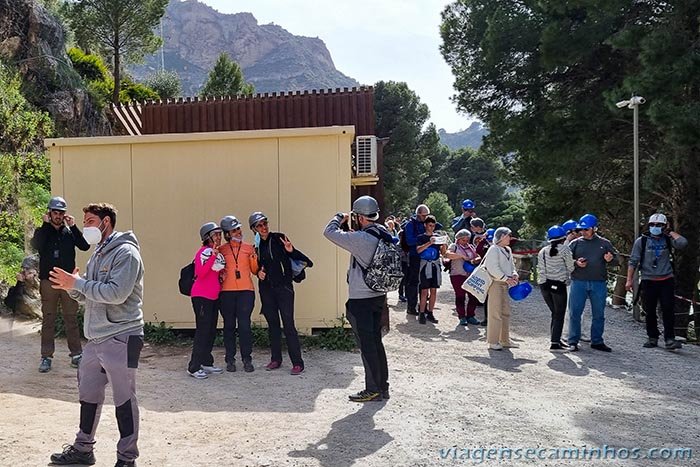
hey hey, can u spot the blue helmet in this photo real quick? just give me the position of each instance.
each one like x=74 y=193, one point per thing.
x=489 y=234
x=520 y=291
x=569 y=225
x=468 y=204
x=587 y=221
x=555 y=232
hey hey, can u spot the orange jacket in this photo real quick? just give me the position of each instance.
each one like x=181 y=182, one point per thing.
x=240 y=256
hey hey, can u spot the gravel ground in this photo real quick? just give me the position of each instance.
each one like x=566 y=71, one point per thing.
x=448 y=394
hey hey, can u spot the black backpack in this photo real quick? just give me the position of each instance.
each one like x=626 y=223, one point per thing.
x=187 y=279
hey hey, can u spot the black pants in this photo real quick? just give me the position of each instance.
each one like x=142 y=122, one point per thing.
x=206 y=314
x=236 y=308
x=278 y=302
x=404 y=279
x=556 y=300
x=412 y=284
x=364 y=315
x=659 y=292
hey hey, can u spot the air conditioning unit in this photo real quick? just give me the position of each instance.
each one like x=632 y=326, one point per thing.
x=366 y=156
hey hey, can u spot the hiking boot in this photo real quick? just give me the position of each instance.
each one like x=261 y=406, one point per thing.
x=412 y=312
x=75 y=360
x=556 y=346
x=602 y=347
x=385 y=394
x=673 y=344
x=296 y=370
x=248 y=367
x=421 y=318
x=121 y=463
x=231 y=367
x=495 y=347
x=473 y=320
x=71 y=456
x=651 y=343
x=573 y=348
x=212 y=370
x=273 y=365
x=431 y=317
x=365 y=396
x=45 y=365
x=199 y=374
x=463 y=321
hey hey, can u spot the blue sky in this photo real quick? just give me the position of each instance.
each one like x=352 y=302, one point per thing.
x=372 y=40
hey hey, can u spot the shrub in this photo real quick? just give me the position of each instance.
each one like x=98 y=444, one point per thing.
x=165 y=83
x=90 y=67
x=159 y=334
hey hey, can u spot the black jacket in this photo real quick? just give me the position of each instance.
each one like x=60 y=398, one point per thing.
x=56 y=247
x=277 y=262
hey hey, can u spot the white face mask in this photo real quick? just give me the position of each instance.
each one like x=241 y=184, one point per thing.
x=92 y=235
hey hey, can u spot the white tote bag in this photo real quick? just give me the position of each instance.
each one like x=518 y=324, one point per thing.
x=478 y=283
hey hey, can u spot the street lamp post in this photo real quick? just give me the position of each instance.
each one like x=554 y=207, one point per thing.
x=633 y=103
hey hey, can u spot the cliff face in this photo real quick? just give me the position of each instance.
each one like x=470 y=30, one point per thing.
x=34 y=42
x=271 y=58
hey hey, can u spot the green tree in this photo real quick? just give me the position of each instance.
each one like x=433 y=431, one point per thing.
x=400 y=117
x=166 y=83
x=121 y=30
x=440 y=208
x=226 y=79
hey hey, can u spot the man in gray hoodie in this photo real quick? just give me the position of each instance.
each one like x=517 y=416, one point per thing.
x=112 y=293
x=364 y=306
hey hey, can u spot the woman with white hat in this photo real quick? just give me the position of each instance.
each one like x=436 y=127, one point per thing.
x=501 y=267
x=554 y=267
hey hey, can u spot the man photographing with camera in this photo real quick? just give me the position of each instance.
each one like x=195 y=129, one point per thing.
x=652 y=255
x=56 y=241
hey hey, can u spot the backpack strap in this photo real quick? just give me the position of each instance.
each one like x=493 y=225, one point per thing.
x=378 y=236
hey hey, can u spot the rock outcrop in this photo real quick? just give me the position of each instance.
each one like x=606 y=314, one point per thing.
x=272 y=58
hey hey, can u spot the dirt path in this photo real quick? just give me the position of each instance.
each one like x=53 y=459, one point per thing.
x=446 y=390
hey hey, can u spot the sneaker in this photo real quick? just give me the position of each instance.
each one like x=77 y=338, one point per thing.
x=121 y=463
x=296 y=370
x=673 y=344
x=212 y=370
x=473 y=320
x=365 y=396
x=510 y=345
x=231 y=367
x=585 y=339
x=75 y=360
x=70 y=456
x=495 y=347
x=484 y=323
x=421 y=318
x=402 y=299
x=556 y=346
x=412 y=312
x=573 y=347
x=199 y=374
x=273 y=365
x=651 y=343
x=248 y=367
x=431 y=317
x=463 y=321
x=602 y=347
x=45 y=365
x=385 y=394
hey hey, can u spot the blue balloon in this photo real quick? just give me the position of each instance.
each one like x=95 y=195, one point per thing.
x=468 y=267
x=520 y=291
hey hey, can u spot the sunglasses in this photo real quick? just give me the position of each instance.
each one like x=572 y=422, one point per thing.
x=261 y=224
x=657 y=224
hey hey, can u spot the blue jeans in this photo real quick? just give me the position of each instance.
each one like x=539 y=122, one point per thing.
x=596 y=291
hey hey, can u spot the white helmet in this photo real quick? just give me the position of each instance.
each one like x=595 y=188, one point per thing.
x=658 y=218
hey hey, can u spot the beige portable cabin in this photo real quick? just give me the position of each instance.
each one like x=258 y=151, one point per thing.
x=165 y=186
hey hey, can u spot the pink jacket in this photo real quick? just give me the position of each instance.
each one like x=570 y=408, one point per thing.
x=206 y=271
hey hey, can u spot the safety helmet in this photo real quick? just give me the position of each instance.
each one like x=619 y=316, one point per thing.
x=207 y=229
x=256 y=217
x=587 y=221
x=366 y=206
x=468 y=204
x=658 y=218
x=489 y=234
x=229 y=223
x=569 y=225
x=520 y=291
x=57 y=204
x=555 y=232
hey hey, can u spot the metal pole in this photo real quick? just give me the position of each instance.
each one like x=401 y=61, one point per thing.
x=636 y=309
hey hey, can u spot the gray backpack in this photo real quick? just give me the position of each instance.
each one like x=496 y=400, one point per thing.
x=384 y=272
